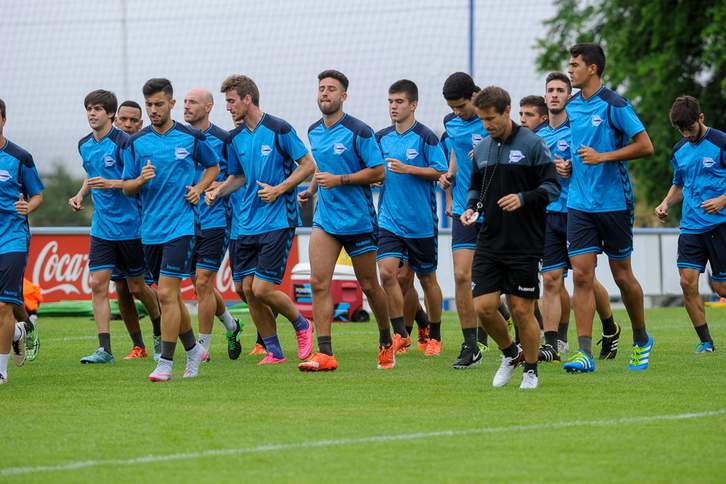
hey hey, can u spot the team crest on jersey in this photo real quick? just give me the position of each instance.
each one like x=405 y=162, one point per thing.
x=515 y=156
x=108 y=161
x=596 y=120
x=339 y=148
x=476 y=139
x=181 y=153
x=708 y=162
x=4 y=176
x=562 y=145
x=411 y=154
x=265 y=150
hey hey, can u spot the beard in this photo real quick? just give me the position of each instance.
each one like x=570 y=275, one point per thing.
x=556 y=111
x=330 y=107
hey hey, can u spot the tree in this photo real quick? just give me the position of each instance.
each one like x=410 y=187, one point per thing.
x=55 y=212
x=657 y=50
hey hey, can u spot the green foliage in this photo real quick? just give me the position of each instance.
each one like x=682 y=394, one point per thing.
x=657 y=50
x=55 y=212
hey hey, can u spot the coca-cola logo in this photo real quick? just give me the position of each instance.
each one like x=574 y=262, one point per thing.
x=69 y=272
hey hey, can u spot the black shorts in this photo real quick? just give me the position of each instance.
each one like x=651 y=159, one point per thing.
x=594 y=232
x=127 y=256
x=262 y=255
x=555 y=252
x=421 y=254
x=171 y=259
x=463 y=236
x=509 y=274
x=357 y=244
x=211 y=247
x=694 y=250
x=12 y=270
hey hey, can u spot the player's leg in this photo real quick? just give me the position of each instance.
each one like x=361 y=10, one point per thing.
x=7 y=330
x=552 y=312
x=100 y=280
x=204 y=287
x=610 y=329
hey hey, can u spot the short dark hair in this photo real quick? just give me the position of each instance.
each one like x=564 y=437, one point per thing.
x=685 y=111
x=2 y=109
x=591 y=53
x=244 y=86
x=407 y=87
x=459 y=85
x=536 y=101
x=158 y=84
x=493 y=97
x=559 y=76
x=130 y=104
x=107 y=99
x=337 y=75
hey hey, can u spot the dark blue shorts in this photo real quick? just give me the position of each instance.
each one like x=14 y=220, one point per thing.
x=232 y=257
x=211 y=247
x=12 y=270
x=422 y=254
x=117 y=276
x=357 y=244
x=594 y=232
x=171 y=259
x=555 y=251
x=125 y=255
x=463 y=236
x=264 y=255
x=518 y=276
x=694 y=250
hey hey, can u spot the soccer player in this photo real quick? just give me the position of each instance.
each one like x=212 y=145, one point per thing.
x=263 y=154
x=215 y=225
x=161 y=164
x=602 y=122
x=464 y=131
x=556 y=300
x=512 y=182
x=532 y=111
x=699 y=181
x=128 y=117
x=408 y=224
x=115 y=226
x=20 y=194
x=349 y=160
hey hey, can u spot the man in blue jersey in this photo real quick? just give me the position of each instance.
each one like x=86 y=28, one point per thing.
x=267 y=161
x=349 y=160
x=407 y=219
x=602 y=122
x=699 y=182
x=20 y=194
x=513 y=180
x=464 y=131
x=115 y=226
x=161 y=164
x=555 y=299
x=215 y=225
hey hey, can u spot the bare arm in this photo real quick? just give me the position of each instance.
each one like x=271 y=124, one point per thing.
x=675 y=195
x=639 y=148
x=305 y=168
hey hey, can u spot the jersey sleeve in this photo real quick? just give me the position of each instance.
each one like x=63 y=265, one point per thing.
x=368 y=150
x=292 y=145
x=131 y=168
x=625 y=119
x=435 y=155
x=31 y=181
x=234 y=165
x=204 y=154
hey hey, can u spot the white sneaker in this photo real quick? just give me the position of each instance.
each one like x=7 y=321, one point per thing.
x=19 y=347
x=504 y=373
x=162 y=372
x=3 y=380
x=562 y=346
x=194 y=359
x=529 y=380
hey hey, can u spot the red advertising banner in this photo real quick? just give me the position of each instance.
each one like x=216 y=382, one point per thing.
x=58 y=263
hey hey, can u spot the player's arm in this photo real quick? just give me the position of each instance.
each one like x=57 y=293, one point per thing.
x=366 y=176
x=194 y=192
x=639 y=148
x=304 y=196
x=220 y=190
x=76 y=202
x=675 y=195
x=447 y=178
x=99 y=183
x=425 y=172
x=24 y=207
x=305 y=168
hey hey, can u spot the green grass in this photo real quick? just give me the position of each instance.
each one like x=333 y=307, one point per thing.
x=421 y=422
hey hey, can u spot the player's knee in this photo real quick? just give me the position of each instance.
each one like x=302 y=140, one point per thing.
x=720 y=288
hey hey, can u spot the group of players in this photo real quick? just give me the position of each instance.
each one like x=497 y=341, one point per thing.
x=171 y=198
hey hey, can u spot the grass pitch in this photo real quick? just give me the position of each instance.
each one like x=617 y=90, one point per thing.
x=420 y=422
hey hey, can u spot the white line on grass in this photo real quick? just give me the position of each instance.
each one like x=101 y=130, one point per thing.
x=362 y=440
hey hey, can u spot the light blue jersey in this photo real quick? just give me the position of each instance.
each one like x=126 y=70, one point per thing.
x=558 y=140
x=407 y=204
x=605 y=122
x=701 y=170
x=346 y=147
x=462 y=137
x=267 y=155
x=218 y=215
x=115 y=216
x=166 y=215
x=18 y=175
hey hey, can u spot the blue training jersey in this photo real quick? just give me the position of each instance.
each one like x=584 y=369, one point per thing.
x=218 y=215
x=407 y=204
x=267 y=154
x=605 y=122
x=558 y=140
x=18 y=175
x=701 y=170
x=462 y=137
x=115 y=216
x=166 y=215
x=346 y=147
